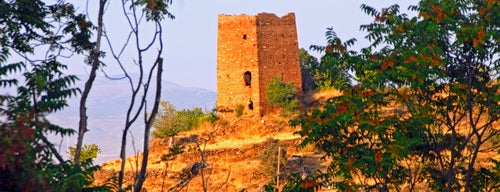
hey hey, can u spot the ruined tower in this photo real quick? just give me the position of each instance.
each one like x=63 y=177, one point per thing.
x=252 y=50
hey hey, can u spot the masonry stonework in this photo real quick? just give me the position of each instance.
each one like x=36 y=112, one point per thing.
x=251 y=51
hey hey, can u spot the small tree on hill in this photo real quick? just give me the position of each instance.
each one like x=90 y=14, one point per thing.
x=308 y=65
x=164 y=123
x=282 y=94
x=171 y=122
x=88 y=152
x=269 y=156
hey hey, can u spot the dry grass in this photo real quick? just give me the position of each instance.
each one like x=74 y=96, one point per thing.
x=233 y=147
x=232 y=150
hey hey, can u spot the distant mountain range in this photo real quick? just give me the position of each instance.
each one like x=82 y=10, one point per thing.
x=107 y=105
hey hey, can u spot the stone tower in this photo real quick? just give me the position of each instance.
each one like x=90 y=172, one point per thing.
x=251 y=51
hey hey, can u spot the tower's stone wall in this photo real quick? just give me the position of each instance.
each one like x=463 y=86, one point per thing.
x=278 y=52
x=262 y=47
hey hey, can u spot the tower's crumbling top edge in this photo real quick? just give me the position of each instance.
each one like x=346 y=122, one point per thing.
x=258 y=15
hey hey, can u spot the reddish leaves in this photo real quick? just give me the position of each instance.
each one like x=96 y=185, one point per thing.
x=377 y=156
x=308 y=184
x=480 y=39
x=367 y=93
x=387 y=63
x=152 y=4
x=329 y=49
x=411 y=59
x=341 y=48
x=491 y=2
x=399 y=29
x=350 y=162
x=342 y=108
x=439 y=13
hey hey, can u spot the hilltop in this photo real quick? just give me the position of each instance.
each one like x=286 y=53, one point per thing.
x=232 y=149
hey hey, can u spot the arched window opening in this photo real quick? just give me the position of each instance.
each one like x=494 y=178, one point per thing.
x=248 y=78
x=250 y=105
x=244 y=36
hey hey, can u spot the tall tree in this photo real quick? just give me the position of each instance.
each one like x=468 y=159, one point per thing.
x=422 y=104
x=39 y=35
x=95 y=63
x=149 y=72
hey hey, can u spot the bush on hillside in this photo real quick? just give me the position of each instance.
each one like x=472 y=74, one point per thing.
x=170 y=122
x=282 y=94
x=269 y=156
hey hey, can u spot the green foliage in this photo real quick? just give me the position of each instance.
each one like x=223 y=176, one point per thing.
x=165 y=120
x=333 y=71
x=70 y=177
x=187 y=119
x=173 y=152
x=282 y=94
x=239 y=110
x=440 y=70
x=156 y=10
x=296 y=183
x=308 y=65
x=210 y=117
x=40 y=87
x=270 y=187
x=89 y=152
x=269 y=156
x=170 y=122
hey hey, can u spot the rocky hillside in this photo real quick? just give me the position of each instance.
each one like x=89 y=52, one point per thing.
x=231 y=147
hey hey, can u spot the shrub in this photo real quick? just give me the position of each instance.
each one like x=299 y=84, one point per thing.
x=170 y=122
x=239 y=110
x=210 y=117
x=308 y=148
x=187 y=119
x=282 y=94
x=269 y=156
x=89 y=152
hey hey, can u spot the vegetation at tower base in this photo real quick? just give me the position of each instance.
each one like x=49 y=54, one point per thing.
x=28 y=160
x=171 y=122
x=421 y=107
x=239 y=109
x=251 y=50
x=308 y=65
x=282 y=94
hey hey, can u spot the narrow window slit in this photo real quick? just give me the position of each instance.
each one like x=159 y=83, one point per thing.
x=247 y=76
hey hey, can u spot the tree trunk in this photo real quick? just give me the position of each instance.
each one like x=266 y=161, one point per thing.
x=171 y=141
x=82 y=127
x=148 y=124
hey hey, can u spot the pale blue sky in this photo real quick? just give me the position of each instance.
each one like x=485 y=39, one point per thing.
x=191 y=52
x=191 y=39
x=192 y=36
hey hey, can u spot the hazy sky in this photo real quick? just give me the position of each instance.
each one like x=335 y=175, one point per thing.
x=191 y=38
x=191 y=50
